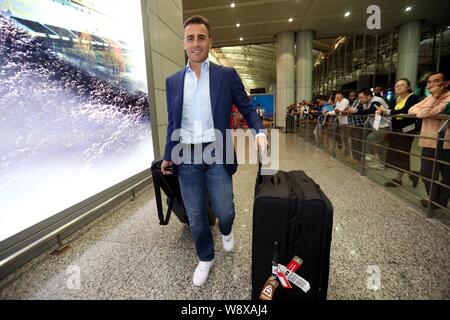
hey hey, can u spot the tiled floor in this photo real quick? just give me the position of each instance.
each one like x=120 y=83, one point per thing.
x=126 y=254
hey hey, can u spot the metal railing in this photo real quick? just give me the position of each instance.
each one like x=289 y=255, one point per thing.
x=329 y=134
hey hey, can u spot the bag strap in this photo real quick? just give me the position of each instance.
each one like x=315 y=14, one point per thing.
x=162 y=221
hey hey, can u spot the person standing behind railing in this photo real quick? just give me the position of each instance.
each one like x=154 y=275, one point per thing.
x=326 y=123
x=304 y=112
x=343 y=130
x=378 y=92
x=317 y=132
x=371 y=104
x=322 y=108
x=356 y=123
x=405 y=100
x=435 y=104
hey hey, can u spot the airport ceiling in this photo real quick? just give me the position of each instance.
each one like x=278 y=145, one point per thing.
x=260 y=21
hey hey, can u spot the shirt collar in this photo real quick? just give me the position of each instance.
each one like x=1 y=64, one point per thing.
x=204 y=64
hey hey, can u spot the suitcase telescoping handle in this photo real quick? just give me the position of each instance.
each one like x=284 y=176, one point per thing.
x=274 y=178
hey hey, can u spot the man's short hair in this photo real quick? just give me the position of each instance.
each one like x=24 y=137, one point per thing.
x=438 y=72
x=198 y=20
x=339 y=92
x=366 y=92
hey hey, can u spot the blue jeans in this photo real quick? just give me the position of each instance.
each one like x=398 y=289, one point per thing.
x=195 y=181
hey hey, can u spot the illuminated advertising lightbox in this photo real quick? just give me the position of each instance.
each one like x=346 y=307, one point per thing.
x=74 y=107
x=265 y=106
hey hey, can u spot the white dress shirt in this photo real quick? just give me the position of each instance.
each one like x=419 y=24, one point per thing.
x=341 y=106
x=197 y=124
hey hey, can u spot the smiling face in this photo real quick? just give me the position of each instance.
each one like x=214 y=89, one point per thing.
x=196 y=42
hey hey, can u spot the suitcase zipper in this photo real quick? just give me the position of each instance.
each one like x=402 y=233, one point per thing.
x=292 y=208
x=300 y=202
x=295 y=210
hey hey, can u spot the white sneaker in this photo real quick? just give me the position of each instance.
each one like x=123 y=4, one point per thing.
x=228 y=242
x=201 y=272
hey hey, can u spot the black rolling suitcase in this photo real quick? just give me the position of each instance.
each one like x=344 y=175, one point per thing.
x=291 y=209
x=171 y=187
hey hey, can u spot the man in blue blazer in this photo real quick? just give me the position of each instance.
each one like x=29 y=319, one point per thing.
x=199 y=102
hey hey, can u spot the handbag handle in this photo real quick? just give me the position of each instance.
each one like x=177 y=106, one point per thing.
x=162 y=220
x=259 y=166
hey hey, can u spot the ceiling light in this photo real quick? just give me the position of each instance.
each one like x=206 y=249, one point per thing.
x=232 y=5
x=241 y=39
x=238 y=25
x=408 y=9
x=291 y=19
x=347 y=13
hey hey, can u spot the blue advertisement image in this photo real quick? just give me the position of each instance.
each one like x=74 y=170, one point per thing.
x=74 y=106
x=264 y=105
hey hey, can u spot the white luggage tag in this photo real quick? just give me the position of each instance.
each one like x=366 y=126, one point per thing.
x=282 y=278
x=295 y=278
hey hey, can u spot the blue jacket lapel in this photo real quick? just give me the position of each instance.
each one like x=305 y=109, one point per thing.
x=215 y=78
x=179 y=98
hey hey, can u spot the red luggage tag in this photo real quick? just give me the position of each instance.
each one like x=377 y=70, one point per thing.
x=295 y=263
x=283 y=279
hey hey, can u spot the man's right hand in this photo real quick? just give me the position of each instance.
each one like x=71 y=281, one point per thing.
x=166 y=167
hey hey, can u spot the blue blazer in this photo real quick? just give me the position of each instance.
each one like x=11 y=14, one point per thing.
x=226 y=89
